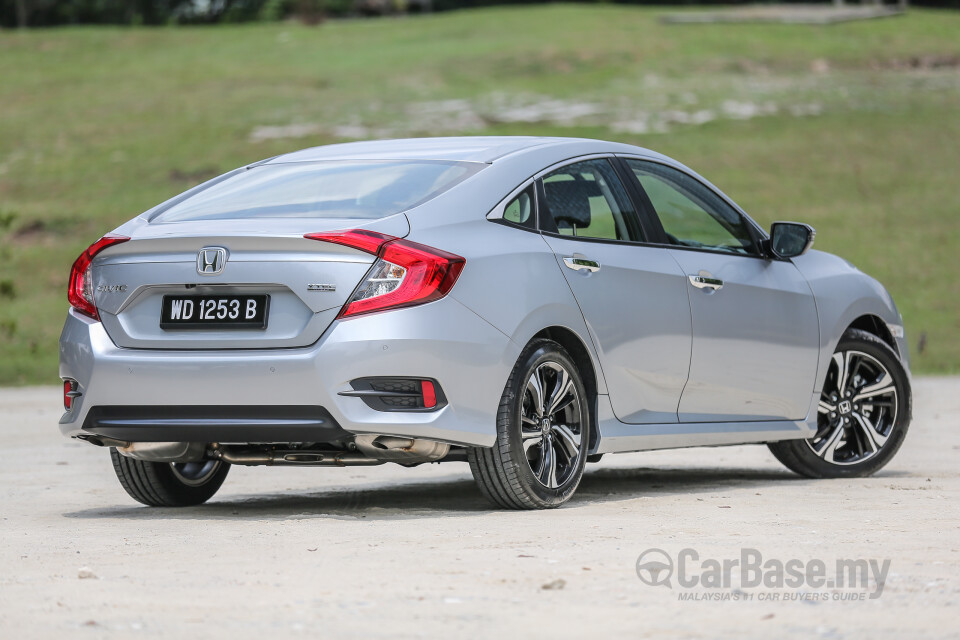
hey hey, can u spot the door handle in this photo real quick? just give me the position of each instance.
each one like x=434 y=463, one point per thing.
x=706 y=282
x=578 y=264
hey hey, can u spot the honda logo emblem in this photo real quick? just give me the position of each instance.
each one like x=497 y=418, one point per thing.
x=211 y=260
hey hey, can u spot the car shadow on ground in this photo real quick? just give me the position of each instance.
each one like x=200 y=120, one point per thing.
x=455 y=496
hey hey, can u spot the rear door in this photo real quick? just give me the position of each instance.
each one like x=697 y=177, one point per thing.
x=755 y=325
x=633 y=297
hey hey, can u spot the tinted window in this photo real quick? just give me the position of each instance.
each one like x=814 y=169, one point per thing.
x=520 y=210
x=587 y=200
x=691 y=214
x=353 y=189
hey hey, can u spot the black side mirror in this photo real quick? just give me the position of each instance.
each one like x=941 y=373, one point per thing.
x=790 y=239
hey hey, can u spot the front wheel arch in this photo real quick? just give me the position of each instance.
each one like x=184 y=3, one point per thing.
x=802 y=456
x=874 y=325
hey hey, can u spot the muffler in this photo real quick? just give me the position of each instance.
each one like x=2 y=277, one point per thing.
x=164 y=451
x=401 y=450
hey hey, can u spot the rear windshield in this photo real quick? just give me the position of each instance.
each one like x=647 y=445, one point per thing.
x=343 y=189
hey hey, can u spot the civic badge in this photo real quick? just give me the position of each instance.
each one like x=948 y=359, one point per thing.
x=211 y=260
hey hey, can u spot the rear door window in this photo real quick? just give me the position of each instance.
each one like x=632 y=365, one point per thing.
x=587 y=200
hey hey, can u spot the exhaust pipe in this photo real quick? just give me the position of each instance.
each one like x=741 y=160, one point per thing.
x=253 y=457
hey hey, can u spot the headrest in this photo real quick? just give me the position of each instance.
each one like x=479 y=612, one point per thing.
x=569 y=201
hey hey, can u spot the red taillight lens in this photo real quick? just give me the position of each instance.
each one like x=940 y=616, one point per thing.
x=80 y=288
x=369 y=241
x=406 y=273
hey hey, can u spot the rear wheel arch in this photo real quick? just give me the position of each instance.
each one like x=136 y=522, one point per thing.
x=581 y=356
x=543 y=428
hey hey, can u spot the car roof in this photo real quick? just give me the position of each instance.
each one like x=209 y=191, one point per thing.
x=485 y=149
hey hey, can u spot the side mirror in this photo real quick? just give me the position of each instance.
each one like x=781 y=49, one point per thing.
x=790 y=239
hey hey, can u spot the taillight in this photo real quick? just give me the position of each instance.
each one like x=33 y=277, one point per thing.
x=80 y=289
x=405 y=273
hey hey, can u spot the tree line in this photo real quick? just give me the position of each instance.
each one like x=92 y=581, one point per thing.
x=46 y=13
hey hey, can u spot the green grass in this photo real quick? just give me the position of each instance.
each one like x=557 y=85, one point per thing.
x=99 y=124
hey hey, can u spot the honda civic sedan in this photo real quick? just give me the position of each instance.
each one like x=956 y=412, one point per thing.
x=526 y=305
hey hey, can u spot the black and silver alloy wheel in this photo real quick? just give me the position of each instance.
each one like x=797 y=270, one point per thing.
x=858 y=408
x=863 y=414
x=543 y=433
x=550 y=427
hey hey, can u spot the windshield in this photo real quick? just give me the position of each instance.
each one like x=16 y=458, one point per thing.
x=341 y=189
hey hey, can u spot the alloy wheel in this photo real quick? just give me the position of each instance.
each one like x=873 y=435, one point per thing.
x=857 y=410
x=551 y=424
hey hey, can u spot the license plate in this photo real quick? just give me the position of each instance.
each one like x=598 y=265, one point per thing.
x=214 y=312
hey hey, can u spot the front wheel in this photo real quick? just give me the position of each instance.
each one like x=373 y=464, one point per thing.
x=169 y=484
x=543 y=433
x=862 y=417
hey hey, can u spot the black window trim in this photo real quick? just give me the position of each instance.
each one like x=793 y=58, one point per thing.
x=757 y=234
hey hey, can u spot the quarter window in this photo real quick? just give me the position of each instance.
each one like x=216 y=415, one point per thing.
x=587 y=200
x=691 y=214
x=520 y=210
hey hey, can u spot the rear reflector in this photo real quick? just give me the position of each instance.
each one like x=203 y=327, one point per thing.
x=69 y=393
x=429 y=394
x=398 y=393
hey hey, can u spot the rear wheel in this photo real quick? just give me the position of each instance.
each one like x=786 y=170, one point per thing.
x=543 y=432
x=863 y=414
x=169 y=484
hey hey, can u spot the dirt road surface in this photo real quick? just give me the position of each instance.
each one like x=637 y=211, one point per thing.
x=392 y=552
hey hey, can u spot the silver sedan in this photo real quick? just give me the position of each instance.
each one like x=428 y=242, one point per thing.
x=524 y=304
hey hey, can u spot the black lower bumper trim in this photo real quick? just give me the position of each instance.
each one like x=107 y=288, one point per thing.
x=228 y=424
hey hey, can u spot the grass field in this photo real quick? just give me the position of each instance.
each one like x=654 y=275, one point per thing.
x=854 y=128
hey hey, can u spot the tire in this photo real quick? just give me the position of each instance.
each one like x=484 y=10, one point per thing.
x=863 y=415
x=165 y=484
x=536 y=464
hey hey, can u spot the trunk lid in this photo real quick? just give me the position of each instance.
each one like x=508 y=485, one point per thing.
x=307 y=281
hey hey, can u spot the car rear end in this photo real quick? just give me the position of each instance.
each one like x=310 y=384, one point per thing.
x=289 y=306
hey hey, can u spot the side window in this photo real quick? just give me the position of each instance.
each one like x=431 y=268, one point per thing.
x=520 y=210
x=587 y=200
x=691 y=214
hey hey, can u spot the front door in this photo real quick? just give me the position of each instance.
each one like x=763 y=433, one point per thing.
x=755 y=325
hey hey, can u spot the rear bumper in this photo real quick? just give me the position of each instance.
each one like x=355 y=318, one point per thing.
x=200 y=393
x=172 y=423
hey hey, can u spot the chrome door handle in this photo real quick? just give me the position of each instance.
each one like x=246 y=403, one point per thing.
x=706 y=282
x=582 y=263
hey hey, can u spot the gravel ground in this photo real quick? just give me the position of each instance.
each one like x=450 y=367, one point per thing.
x=393 y=552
